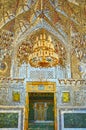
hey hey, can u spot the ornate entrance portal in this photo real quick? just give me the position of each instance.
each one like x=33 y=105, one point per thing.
x=40 y=111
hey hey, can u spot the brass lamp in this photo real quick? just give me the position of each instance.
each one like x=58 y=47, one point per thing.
x=43 y=52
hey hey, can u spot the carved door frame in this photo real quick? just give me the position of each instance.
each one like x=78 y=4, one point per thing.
x=40 y=87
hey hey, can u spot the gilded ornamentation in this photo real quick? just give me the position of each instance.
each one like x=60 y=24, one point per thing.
x=65 y=97
x=21 y=22
x=23 y=52
x=16 y=96
x=3 y=67
x=43 y=54
x=79 y=46
x=30 y=91
x=26 y=49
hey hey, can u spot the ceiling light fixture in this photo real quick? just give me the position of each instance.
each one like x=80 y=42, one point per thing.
x=43 y=54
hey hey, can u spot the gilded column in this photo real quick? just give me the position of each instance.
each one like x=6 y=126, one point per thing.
x=55 y=111
x=26 y=112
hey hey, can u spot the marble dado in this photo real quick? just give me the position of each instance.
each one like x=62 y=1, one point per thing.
x=13 y=110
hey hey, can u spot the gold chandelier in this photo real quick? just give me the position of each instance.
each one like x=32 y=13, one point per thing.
x=43 y=52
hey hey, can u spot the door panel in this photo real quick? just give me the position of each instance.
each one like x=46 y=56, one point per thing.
x=41 y=111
